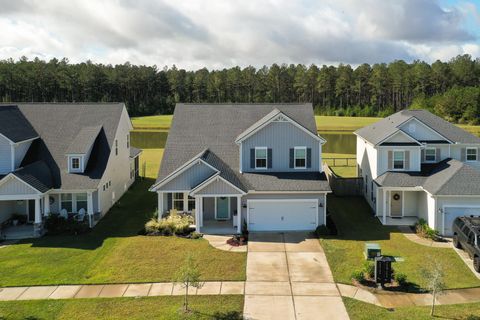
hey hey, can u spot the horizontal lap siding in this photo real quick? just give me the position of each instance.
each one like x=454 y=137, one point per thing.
x=189 y=178
x=280 y=137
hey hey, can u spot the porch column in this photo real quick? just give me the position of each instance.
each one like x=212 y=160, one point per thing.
x=46 y=205
x=90 y=208
x=200 y=211
x=384 y=206
x=197 y=213
x=239 y=214
x=38 y=211
x=160 y=205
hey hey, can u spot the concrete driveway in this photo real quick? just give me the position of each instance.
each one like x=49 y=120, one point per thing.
x=288 y=277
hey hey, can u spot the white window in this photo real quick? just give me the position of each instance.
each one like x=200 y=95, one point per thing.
x=300 y=157
x=116 y=147
x=472 y=154
x=191 y=203
x=431 y=155
x=177 y=201
x=81 y=199
x=75 y=163
x=66 y=202
x=261 y=158
x=398 y=160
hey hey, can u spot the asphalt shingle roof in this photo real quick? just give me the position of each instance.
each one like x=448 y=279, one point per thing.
x=84 y=140
x=380 y=130
x=215 y=127
x=448 y=177
x=37 y=175
x=14 y=125
x=134 y=152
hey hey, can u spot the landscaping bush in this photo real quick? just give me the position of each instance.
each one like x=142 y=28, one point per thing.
x=321 y=231
x=174 y=224
x=401 y=279
x=196 y=235
x=424 y=230
x=56 y=225
x=358 y=275
x=472 y=317
x=368 y=270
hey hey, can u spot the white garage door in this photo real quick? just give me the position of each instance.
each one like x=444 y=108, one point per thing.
x=452 y=212
x=282 y=215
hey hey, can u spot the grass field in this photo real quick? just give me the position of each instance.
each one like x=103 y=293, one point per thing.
x=358 y=310
x=152 y=122
x=165 y=308
x=356 y=225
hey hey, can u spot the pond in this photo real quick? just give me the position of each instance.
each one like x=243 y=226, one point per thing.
x=337 y=142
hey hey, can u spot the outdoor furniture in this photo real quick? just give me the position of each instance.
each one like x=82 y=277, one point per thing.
x=64 y=214
x=80 y=216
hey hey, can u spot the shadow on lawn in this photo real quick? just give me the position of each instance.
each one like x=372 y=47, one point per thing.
x=354 y=220
x=125 y=219
x=230 y=315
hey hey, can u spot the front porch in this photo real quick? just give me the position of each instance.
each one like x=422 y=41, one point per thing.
x=401 y=206
x=402 y=221
x=22 y=217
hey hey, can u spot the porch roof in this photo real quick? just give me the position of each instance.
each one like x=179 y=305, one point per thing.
x=36 y=175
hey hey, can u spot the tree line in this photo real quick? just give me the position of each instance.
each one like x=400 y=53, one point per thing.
x=450 y=89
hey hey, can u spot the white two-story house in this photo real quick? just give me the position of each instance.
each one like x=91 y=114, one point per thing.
x=71 y=158
x=417 y=165
x=259 y=164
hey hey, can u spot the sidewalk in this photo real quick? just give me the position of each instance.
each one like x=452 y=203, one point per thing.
x=118 y=290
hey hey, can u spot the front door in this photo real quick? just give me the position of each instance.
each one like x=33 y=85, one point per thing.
x=31 y=210
x=223 y=208
x=396 y=204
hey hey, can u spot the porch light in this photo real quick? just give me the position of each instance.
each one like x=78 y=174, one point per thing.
x=440 y=210
x=244 y=205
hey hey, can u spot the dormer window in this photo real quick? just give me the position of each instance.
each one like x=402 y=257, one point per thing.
x=75 y=163
x=300 y=157
x=261 y=158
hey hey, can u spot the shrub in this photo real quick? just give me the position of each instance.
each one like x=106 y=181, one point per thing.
x=424 y=230
x=401 y=278
x=368 y=270
x=321 y=231
x=472 y=317
x=358 y=275
x=196 y=235
x=174 y=224
x=152 y=226
x=55 y=225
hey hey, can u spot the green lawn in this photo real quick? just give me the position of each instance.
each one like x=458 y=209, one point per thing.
x=161 y=122
x=166 y=308
x=356 y=225
x=342 y=168
x=150 y=162
x=358 y=310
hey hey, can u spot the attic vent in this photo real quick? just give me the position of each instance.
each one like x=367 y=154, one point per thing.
x=280 y=118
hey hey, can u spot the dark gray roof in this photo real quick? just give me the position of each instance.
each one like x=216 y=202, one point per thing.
x=58 y=126
x=37 y=175
x=380 y=130
x=84 y=140
x=448 y=177
x=134 y=152
x=291 y=181
x=215 y=127
x=14 y=125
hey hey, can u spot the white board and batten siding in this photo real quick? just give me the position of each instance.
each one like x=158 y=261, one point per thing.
x=189 y=178
x=13 y=186
x=218 y=187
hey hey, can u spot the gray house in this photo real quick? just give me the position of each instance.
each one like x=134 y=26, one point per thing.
x=255 y=163
x=417 y=165
x=74 y=159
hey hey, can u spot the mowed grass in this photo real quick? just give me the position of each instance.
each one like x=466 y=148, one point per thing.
x=358 y=310
x=161 y=122
x=342 y=168
x=113 y=251
x=356 y=226
x=150 y=162
x=166 y=308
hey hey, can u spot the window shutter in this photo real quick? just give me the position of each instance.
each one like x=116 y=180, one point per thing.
x=291 y=157
x=463 y=155
x=438 y=155
x=422 y=152
x=269 y=155
x=407 y=160
x=309 y=157
x=252 y=158
x=390 y=160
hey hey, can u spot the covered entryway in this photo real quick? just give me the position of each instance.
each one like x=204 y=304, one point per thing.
x=450 y=213
x=396 y=204
x=282 y=214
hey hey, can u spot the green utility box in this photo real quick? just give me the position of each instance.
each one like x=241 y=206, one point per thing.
x=372 y=250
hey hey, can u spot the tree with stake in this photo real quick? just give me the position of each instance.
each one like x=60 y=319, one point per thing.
x=188 y=276
x=435 y=281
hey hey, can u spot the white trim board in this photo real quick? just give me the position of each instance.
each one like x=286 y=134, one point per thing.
x=215 y=177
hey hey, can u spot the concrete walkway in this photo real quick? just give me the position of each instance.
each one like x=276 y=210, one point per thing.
x=220 y=242
x=118 y=290
x=389 y=299
x=412 y=236
x=288 y=277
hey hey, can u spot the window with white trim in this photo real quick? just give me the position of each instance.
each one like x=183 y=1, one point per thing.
x=75 y=163
x=430 y=154
x=398 y=160
x=261 y=158
x=81 y=199
x=472 y=154
x=191 y=203
x=66 y=202
x=177 y=201
x=300 y=157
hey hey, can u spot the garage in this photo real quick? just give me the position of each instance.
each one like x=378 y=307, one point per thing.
x=452 y=212
x=283 y=215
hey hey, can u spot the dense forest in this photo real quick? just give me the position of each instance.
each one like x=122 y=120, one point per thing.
x=450 y=89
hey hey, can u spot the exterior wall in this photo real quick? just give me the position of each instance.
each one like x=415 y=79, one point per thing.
x=422 y=205
x=189 y=179
x=432 y=210
x=218 y=187
x=444 y=151
x=7 y=208
x=208 y=208
x=95 y=201
x=5 y=156
x=367 y=163
x=421 y=132
x=383 y=158
x=20 y=151
x=410 y=203
x=16 y=187
x=320 y=196
x=452 y=201
x=456 y=153
x=281 y=137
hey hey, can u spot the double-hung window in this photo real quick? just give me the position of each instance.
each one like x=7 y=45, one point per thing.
x=261 y=158
x=398 y=160
x=66 y=202
x=178 y=201
x=75 y=163
x=191 y=203
x=472 y=154
x=300 y=157
x=430 y=154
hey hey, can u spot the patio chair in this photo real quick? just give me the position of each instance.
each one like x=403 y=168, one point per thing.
x=64 y=214
x=80 y=216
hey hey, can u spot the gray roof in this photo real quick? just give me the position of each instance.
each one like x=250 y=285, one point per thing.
x=58 y=126
x=14 y=125
x=382 y=129
x=291 y=181
x=134 y=152
x=215 y=127
x=84 y=140
x=37 y=175
x=448 y=177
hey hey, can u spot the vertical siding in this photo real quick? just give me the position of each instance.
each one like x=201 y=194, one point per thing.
x=20 y=151
x=218 y=187
x=5 y=156
x=189 y=178
x=15 y=187
x=280 y=137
